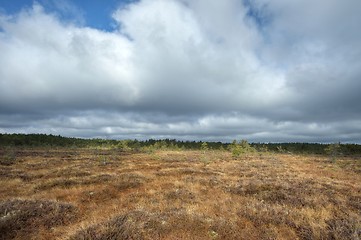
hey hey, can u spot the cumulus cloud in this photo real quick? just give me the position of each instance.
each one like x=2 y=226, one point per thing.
x=47 y=65
x=217 y=70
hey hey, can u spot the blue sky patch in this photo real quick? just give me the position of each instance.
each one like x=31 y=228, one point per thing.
x=94 y=13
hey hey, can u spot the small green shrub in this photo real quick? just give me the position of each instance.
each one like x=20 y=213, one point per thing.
x=204 y=146
x=241 y=148
x=333 y=150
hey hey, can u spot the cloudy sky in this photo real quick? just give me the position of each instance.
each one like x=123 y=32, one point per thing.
x=262 y=70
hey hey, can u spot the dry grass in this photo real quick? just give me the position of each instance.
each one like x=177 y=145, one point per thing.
x=105 y=194
x=21 y=218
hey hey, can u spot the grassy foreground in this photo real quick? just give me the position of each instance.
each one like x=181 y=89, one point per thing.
x=110 y=194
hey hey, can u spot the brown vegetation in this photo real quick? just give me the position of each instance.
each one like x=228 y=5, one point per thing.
x=107 y=194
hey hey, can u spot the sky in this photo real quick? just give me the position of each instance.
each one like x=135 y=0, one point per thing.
x=211 y=70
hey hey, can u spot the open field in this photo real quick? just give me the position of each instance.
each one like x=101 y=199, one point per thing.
x=109 y=194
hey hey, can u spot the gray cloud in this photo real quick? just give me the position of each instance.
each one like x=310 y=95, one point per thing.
x=262 y=70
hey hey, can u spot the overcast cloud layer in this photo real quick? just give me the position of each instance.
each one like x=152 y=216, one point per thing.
x=262 y=70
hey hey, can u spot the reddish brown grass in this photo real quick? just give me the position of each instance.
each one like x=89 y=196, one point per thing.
x=105 y=194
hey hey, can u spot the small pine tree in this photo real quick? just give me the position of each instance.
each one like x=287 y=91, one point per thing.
x=204 y=146
x=333 y=150
x=241 y=148
x=280 y=149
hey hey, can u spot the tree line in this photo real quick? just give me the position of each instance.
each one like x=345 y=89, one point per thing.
x=49 y=140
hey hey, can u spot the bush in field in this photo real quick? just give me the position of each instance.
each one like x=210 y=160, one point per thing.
x=160 y=145
x=123 y=145
x=204 y=146
x=241 y=148
x=333 y=150
x=280 y=149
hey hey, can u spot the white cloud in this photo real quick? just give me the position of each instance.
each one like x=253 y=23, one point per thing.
x=187 y=69
x=47 y=63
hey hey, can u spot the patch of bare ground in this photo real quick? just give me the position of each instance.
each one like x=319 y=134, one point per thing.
x=107 y=194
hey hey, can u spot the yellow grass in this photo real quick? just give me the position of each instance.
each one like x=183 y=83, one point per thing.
x=107 y=194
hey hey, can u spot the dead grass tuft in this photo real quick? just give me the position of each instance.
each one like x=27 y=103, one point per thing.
x=344 y=226
x=169 y=224
x=21 y=218
x=128 y=180
x=8 y=158
x=71 y=182
x=180 y=194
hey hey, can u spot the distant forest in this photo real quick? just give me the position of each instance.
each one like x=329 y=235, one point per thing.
x=44 y=140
